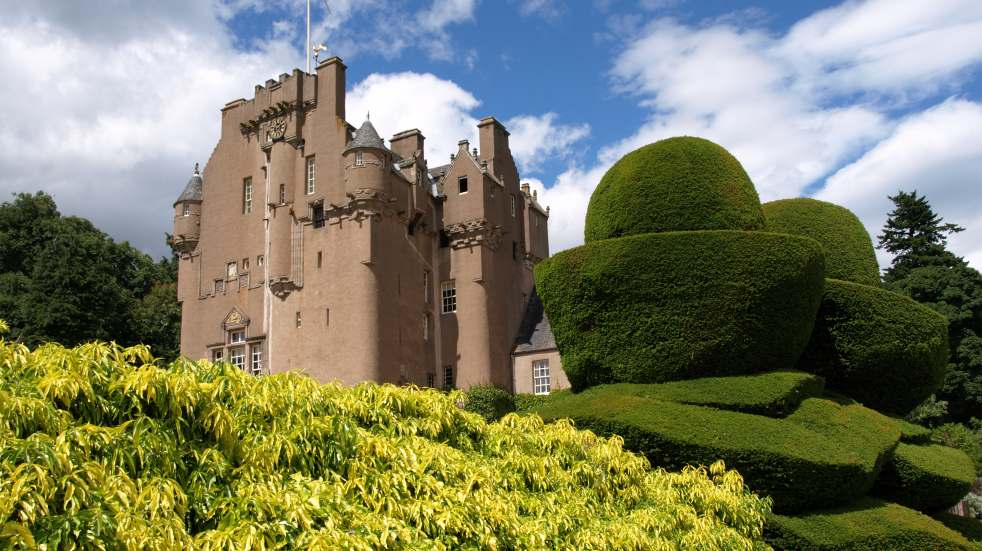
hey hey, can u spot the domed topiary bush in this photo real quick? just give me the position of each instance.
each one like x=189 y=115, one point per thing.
x=878 y=347
x=676 y=184
x=669 y=306
x=849 y=253
x=927 y=478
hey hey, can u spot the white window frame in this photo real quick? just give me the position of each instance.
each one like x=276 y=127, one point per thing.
x=247 y=195
x=311 y=183
x=186 y=210
x=256 y=365
x=237 y=336
x=448 y=296
x=231 y=270
x=541 y=380
x=237 y=357
x=359 y=158
x=467 y=185
x=217 y=355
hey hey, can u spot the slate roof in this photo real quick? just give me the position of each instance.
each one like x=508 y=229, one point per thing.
x=535 y=334
x=192 y=191
x=366 y=136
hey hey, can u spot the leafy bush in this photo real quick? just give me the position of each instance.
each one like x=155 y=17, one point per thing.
x=488 y=401
x=99 y=448
x=526 y=403
x=971 y=528
x=912 y=433
x=865 y=524
x=926 y=478
x=677 y=184
x=799 y=467
x=849 y=253
x=772 y=394
x=668 y=306
x=878 y=347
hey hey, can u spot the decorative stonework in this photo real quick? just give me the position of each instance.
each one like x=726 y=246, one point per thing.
x=235 y=319
x=474 y=232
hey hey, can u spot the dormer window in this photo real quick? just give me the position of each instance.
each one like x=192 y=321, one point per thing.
x=359 y=158
x=462 y=184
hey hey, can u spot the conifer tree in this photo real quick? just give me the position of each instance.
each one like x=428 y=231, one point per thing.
x=916 y=235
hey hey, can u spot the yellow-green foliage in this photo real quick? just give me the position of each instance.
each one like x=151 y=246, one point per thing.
x=100 y=448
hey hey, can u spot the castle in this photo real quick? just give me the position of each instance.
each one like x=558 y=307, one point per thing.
x=308 y=245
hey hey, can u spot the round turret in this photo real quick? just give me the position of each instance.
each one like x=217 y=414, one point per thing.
x=187 y=215
x=366 y=161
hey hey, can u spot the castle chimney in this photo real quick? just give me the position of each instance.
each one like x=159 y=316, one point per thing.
x=525 y=188
x=408 y=143
x=330 y=85
x=493 y=139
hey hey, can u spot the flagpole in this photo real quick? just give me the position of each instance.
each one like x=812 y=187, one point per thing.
x=308 y=37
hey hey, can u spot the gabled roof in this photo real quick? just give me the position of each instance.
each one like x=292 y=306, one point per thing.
x=366 y=136
x=192 y=191
x=535 y=333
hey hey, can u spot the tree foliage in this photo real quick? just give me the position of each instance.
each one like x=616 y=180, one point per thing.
x=102 y=448
x=64 y=280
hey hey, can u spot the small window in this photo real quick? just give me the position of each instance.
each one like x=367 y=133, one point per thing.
x=243 y=281
x=299 y=320
x=187 y=209
x=231 y=269
x=327 y=317
x=431 y=380
x=245 y=263
x=257 y=359
x=282 y=194
x=217 y=355
x=359 y=158
x=236 y=336
x=444 y=239
x=513 y=210
x=219 y=286
x=448 y=294
x=514 y=250
x=426 y=327
x=247 y=196
x=426 y=286
x=236 y=357
x=310 y=175
x=260 y=260
x=317 y=214
x=320 y=257
x=448 y=383
x=540 y=377
x=462 y=184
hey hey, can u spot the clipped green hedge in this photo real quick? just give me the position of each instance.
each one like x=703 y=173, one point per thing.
x=912 y=433
x=772 y=394
x=971 y=528
x=668 y=306
x=800 y=468
x=489 y=401
x=677 y=184
x=865 y=524
x=849 y=253
x=926 y=478
x=881 y=348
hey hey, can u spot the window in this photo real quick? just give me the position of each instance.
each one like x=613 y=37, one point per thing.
x=359 y=158
x=244 y=281
x=257 y=359
x=327 y=317
x=426 y=286
x=260 y=260
x=431 y=380
x=514 y=250
x=236 y=357
x=247 y=196
x=282 y=194
x=540 y=377
x=512 y=206
x=317 y=214
x=187 y=209
x=231 y=270
x=448 y=292
x=448 y=377
x=426 y=327
x=462 y=184
x=310 y=175
x=320 y=257
x=217 y=355
x=299 y=320
x=245 y=263
x=219 y=286
x=235 y=337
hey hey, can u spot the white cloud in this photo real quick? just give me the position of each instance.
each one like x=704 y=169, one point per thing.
x=938 y=153
x=537 y=138
x=548 y=9
x=444 y=12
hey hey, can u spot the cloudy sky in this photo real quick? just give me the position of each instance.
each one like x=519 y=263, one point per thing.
x=108 y=104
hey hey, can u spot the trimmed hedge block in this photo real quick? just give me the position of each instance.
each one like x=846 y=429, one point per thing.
x=865 y=524
x=926 y=478
x=661 y=307
x=771 y=394
x=911 y=433
x=971 y=528
x=881 y=348
x=800 y=468
x=849 y=253
x=677 y=184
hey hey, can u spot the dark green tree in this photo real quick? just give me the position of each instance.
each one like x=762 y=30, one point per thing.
x=928 y=272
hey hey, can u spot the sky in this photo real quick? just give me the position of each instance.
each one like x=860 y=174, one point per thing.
x=107 y=105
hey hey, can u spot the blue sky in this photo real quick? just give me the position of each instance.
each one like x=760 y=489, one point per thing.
x=107 y=105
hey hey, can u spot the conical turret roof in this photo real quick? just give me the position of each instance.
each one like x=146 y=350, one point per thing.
x=366 y=136
x=192 y=191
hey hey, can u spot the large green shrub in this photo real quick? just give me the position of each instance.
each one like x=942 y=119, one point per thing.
x=660 y=307
x=926 y=478
x=676 y=184
x=799 y=467
x=969 y=527
x=772 y=394
x=101 y=449
x=849 y=253
x=865 y=524
x=878 y=347
x=913 y=433
x=489 y=401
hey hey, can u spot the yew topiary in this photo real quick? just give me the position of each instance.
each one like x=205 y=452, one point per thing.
x=677 y=184
x=927 y=478
x=849 y=253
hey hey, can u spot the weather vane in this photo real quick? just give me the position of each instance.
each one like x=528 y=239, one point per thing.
x=320 y=47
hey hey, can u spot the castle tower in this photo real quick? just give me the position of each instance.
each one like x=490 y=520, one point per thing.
x=187 y=215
